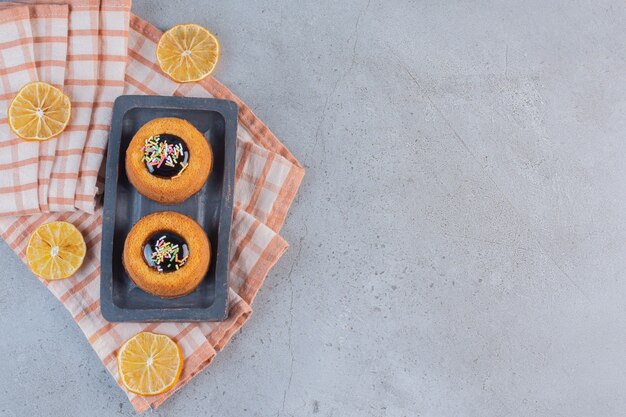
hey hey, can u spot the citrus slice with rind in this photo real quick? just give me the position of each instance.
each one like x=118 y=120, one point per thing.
x=55 y=250
x=39 y=111
x=149 y=363
x=188 y=53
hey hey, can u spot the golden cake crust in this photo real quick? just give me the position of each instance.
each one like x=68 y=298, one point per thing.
x=169 y=190
x=169 y=284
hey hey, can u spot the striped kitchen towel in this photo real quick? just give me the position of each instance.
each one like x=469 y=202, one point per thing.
x=79 y=46
x=267 y=179
x=18 y=159
x=49 y=30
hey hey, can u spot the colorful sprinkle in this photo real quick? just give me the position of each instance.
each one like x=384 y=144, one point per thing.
x=166 y=253
x=157 y=153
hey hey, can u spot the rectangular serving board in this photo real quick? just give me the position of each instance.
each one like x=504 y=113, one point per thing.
x=211 y=207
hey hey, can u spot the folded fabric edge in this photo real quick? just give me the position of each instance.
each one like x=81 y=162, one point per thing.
x=46 y=10
x=103 y=5
x=49 y=10
x=285 y=198
x=238 y=315
x=268 y=258
x=8 y=14
x=76 y=4
x=40 y=10
x=20 y=182
x=87 y=194
x=115 y=4
x=276 y=215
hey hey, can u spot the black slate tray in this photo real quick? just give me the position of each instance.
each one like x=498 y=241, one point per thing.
x=120 y=299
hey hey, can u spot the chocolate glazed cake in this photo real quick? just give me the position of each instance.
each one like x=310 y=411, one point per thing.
x=168 y=160
x=167 y=254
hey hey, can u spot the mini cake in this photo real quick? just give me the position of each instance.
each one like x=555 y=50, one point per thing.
x=168 y=160
x=167 y=254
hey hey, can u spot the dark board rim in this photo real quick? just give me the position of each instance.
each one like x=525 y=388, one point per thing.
x=218 y=310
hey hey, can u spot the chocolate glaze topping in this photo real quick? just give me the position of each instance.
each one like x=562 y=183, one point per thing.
x=165 y=155
x=165 y=251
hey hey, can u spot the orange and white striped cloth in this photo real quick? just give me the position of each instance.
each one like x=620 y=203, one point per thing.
x=18 y=159
x=49 y=22
x=79 y=46
x=267 y=174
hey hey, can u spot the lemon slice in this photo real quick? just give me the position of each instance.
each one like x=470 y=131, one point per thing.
x=39 y=111
x=55 y=250
x=188 y=53
x=149 y=363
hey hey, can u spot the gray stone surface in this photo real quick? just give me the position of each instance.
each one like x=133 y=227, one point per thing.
x=457 y=243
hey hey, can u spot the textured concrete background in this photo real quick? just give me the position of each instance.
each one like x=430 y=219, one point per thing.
x=457 y=244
